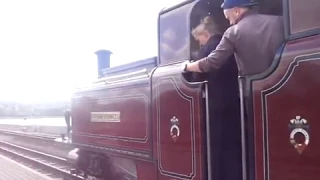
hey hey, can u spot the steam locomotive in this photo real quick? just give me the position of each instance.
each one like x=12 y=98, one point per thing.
x=148 y=121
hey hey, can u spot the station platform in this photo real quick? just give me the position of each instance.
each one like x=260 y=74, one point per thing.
x=11 y=170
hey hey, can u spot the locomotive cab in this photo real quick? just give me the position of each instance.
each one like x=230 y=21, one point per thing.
x=218 y=111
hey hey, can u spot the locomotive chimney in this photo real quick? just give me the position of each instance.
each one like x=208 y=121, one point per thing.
x=103 y=60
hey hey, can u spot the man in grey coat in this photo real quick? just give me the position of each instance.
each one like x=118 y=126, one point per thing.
x=253 y=38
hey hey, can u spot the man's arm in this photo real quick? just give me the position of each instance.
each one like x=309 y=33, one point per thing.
x=217 y=57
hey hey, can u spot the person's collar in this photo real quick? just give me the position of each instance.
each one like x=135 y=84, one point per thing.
x=215 y=36
x=244 y=15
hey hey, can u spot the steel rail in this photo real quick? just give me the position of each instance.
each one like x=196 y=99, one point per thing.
x=26 y=134
x=47 y=164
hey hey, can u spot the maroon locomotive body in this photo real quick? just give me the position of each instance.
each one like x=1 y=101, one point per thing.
x=150 y=122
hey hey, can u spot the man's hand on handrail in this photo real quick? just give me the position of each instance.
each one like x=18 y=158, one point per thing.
x=190 y=66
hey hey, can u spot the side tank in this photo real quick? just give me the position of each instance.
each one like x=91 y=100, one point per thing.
x=112 y=127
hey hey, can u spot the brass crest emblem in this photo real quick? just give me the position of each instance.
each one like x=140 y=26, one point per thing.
x=174 y=130
x=299 y=126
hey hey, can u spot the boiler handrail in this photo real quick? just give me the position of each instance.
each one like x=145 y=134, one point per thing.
x=122 y=77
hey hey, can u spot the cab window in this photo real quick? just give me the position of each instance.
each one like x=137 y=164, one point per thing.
x=304 y=15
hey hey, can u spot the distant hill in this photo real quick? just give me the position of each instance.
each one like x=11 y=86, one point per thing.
x=48 y=109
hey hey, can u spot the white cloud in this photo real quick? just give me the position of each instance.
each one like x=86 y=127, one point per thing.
x=47 y=46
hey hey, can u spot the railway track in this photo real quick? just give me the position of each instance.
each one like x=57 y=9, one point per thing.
x=46 y=137
x=52 y=166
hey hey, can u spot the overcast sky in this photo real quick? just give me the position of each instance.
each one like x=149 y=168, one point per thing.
x=47 y=46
